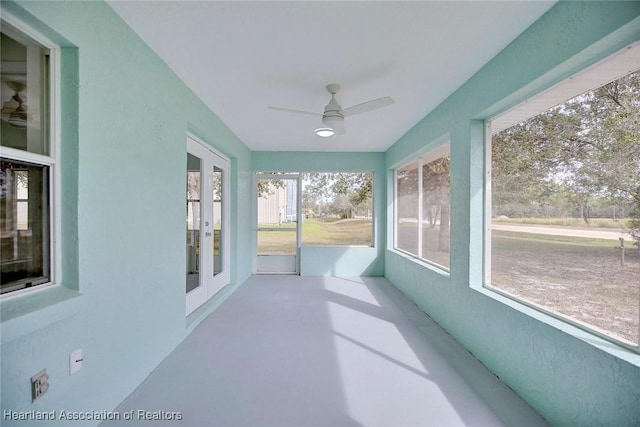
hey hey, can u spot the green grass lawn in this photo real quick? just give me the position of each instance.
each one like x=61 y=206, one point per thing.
x=339 y=232
x=316 y=231
x=549 y=239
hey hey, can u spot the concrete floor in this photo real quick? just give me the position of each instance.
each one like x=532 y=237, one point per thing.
x=322 y=351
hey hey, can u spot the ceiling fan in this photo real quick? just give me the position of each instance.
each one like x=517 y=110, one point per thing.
x=333 y=116
x=15 y=111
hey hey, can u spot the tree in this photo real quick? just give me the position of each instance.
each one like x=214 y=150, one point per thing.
x=580 y=153
x=267 y=187
x=343 y=192
x=436 y=181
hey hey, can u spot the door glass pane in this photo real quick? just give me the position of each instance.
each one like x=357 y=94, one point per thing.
x=193 y=222
x=217 y=220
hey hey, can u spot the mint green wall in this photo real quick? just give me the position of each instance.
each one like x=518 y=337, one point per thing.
x=125 y=118
x=569 y=376
x=336 y=260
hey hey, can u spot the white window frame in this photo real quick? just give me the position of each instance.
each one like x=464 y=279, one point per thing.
x=51 y=159
x=612 y=67
x=436 y=153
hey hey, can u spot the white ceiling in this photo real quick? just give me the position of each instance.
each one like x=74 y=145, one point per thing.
x=241 y=57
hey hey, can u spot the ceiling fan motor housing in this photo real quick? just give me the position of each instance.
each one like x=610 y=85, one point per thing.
x=332 y=113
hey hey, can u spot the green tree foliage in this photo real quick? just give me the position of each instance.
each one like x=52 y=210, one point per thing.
x=339 y=193
x=575 y=155
x=267 y=187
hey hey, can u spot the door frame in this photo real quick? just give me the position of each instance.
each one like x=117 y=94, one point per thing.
x=209 y=283
x=294 y=176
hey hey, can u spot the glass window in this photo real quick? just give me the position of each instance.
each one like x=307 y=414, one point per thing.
x=435 y=211
x=407 y=196
x=24 y=92
x=422 y=206
x=565 y=209
x=26 y=162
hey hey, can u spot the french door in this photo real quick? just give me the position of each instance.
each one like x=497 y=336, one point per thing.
x=207 y=224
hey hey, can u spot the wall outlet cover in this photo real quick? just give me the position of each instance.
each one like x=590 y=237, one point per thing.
x=75 y=361
x=39 y=384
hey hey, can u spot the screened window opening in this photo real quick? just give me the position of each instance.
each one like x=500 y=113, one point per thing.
x=422 y=207
x=337 y=208
x=565 y=209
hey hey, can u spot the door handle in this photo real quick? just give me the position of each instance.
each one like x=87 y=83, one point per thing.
x=207 y=234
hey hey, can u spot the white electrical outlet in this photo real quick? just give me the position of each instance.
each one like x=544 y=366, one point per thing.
x=39 y=384
x=75 y=361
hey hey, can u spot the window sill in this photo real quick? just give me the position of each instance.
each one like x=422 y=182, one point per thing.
x=24 y=314
x=337 y=246
x=602 y=344
x=422 y=263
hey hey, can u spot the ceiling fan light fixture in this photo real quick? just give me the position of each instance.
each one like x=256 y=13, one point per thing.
x=18 y=118
x=324 y=132
x=333 y=115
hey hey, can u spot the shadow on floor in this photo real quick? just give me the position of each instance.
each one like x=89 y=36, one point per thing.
x=323 y=351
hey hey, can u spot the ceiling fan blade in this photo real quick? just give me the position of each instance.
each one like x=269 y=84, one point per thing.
x=289 y=110
x=368 y=106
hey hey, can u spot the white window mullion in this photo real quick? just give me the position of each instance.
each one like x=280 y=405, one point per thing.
x=396 y=221
x=420 y=213
x=25 y=156
x=488 y=204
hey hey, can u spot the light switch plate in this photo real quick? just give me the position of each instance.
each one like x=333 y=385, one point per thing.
x=75 y=361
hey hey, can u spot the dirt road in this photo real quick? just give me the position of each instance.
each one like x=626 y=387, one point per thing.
x=560 y=231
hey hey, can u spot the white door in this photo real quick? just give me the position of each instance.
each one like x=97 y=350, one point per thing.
x=207 y=225
x=277 y=225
